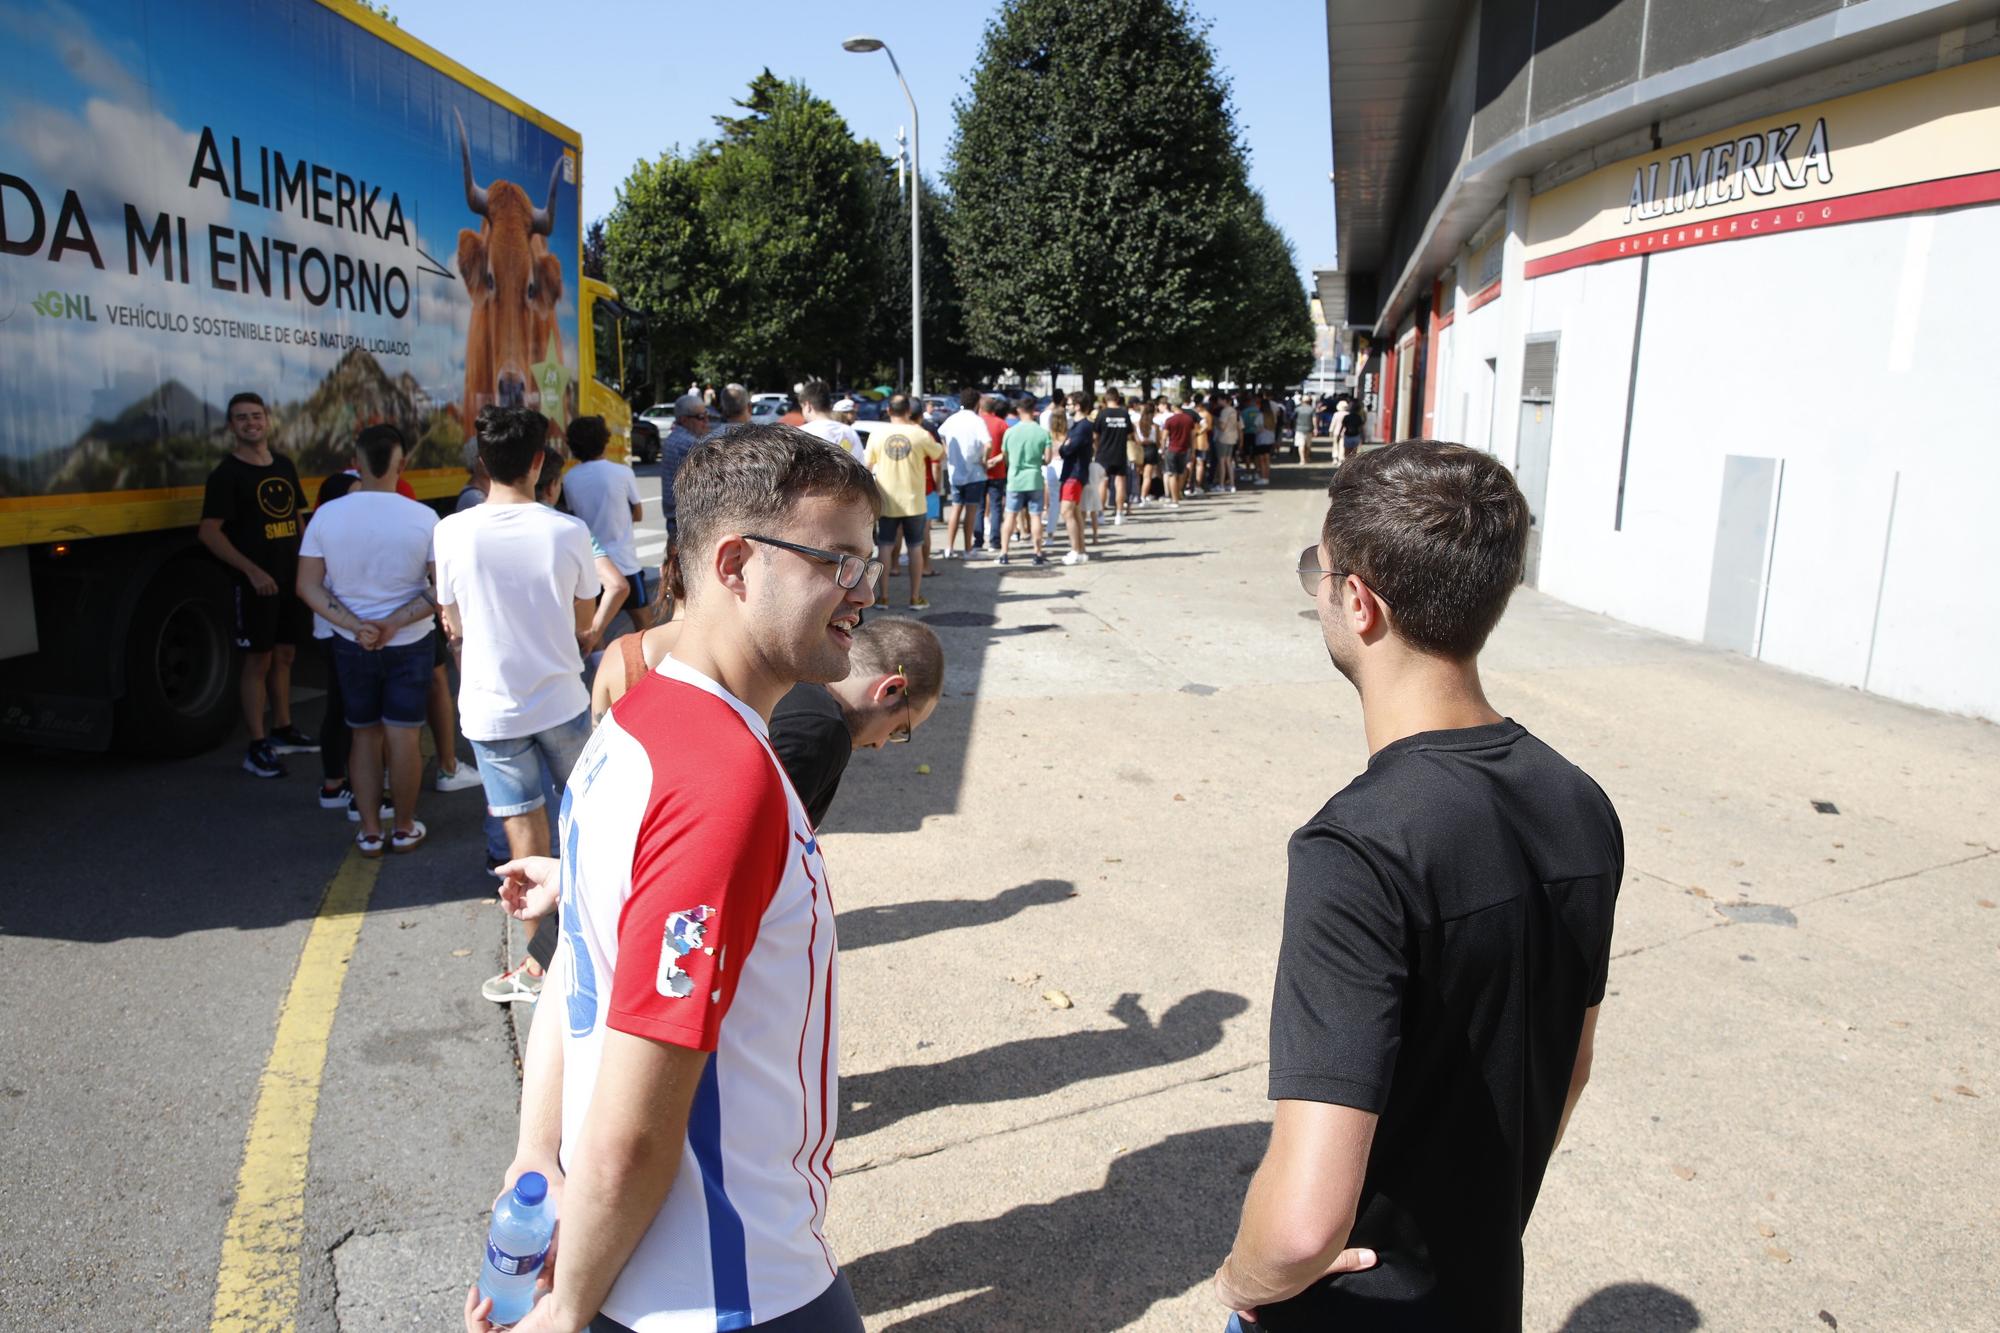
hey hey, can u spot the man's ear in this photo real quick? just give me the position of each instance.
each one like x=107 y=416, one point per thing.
x=732 y=557
x=886 y=687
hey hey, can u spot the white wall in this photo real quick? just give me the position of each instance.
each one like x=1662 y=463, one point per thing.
x=1852 y=353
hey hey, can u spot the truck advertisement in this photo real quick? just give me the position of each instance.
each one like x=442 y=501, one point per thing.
x=292 y=198
x=236 y=195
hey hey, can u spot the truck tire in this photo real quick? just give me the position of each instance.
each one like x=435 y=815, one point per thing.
x=180 y=663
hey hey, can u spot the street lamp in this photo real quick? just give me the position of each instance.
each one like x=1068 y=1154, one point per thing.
x=861 y=46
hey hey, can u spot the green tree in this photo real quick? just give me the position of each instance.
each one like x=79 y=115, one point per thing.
x=1263 y=332
x=786 y=192
x=661 y=255
x=1093 y=173
x=593 y=250
x=949 y=360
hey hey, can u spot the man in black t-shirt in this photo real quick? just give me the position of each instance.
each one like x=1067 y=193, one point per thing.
x=1114 y=432
x=250 y=522
x=1076 y=450
x=896 y=673
x=1446 y=938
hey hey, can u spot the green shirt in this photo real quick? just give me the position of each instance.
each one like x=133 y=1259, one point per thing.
x=1025 y=445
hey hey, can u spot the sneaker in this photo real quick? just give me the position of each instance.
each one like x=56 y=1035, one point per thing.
x=1002 y=561
x=951 y=554
x=1041 y=559
x=260 y=760
x=409 y=839
x=515 y=984
x=1075 y=558
x=1118 y=520
x=290 y=740
x=337 y=799
x=354 y=815
x=463 y=778
x=921 y=604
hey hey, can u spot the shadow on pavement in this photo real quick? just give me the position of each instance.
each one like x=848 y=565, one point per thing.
x=111 y=848
x=892 y=923
x=1160 y=1224
x=1633 y=1305
x=1037 y=1065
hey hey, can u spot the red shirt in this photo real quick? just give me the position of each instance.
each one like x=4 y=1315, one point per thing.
x=1179 y=429
x=996 y=427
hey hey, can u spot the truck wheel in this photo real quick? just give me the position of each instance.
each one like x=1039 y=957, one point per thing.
x=180 y=664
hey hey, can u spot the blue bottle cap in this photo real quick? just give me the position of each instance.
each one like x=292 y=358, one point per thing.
x=531 y=1188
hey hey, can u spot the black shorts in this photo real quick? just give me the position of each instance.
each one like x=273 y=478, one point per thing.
x=1121 y=468
x=1152 y=455
x=440 y=647
x=263 y=622
x=1177 y=462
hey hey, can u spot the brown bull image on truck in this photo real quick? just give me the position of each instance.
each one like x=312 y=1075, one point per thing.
x=515 y=285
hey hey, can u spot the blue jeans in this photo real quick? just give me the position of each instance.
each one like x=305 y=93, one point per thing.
x=996 y=505
x=383 y=686
x=520 y=772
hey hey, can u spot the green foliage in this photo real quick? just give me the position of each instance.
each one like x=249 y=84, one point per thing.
x=1263 y=333
x=1094 y=171
x=757 y=254
x=661 y=255
x=593 y=250
x=948 y=357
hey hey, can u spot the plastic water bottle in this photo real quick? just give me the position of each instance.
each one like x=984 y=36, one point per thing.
x=517 y=1242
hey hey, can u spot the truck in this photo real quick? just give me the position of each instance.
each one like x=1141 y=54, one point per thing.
x=293 y=198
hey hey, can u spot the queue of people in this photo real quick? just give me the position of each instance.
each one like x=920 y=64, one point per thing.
x=1447 y=929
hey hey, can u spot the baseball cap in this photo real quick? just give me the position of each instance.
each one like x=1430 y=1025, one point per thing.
x=844 y=405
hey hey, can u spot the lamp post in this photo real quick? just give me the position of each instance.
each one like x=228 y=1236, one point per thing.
x=863 y=45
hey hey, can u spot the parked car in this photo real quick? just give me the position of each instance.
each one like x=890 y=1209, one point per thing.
x=766 y=408
x=661 y=415
x=645 y=441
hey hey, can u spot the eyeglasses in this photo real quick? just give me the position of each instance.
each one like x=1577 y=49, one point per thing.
x=1310 y=574
x=849 y=570
x=901 y=735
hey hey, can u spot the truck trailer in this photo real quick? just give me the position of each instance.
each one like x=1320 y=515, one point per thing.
x=293 y=198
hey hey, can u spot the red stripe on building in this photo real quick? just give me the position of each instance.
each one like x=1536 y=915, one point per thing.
x=1482 y=296
x=1922 y=197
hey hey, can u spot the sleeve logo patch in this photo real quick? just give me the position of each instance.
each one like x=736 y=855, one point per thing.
x=685 y=932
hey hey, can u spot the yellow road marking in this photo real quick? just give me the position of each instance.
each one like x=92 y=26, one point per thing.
x=257 y=1285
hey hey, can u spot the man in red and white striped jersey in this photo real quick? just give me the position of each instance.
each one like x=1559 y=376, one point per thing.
x=681 y=1085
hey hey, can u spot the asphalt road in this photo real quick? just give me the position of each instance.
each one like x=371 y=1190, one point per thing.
x=1793 y=1109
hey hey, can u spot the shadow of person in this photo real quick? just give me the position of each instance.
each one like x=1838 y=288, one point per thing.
x=891 y=923
x=1160 y=1224
x=1036 y=1065
x=1633 y=1305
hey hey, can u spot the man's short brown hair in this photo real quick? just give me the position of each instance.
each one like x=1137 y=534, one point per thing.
x=891 y=644
x=1439 y=531
x=752 y=479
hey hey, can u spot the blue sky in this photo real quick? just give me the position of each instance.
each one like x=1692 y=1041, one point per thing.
x=674 y=64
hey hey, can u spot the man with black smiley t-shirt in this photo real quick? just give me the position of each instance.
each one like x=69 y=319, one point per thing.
x=250 y=522
x=1446 y=938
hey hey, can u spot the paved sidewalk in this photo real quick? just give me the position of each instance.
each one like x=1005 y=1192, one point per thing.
x=1793 y=1110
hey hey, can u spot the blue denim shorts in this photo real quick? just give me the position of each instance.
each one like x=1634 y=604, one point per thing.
x=514 y=770
x=388 y=687
x=1028 y=500
x=971 y=493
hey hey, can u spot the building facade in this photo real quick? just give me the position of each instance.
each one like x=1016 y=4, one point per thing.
x=1718 y=283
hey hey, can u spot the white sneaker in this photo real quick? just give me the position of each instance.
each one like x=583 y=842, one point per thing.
x=1075 y=558
x=1118 y=520
x=463 y=778
x=951 y=554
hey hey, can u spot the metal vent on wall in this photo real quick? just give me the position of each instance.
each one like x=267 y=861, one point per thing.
x=1538 y=370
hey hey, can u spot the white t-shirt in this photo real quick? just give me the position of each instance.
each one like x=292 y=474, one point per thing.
x=602 y=494
x=966 y=444
x=377 y=548
x=838 y=432
x=696 y=912
x=516 y=572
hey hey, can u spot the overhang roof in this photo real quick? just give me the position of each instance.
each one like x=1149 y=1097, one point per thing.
x=1386 y=63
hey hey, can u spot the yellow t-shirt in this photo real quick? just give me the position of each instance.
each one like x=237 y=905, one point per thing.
x=896 y=456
